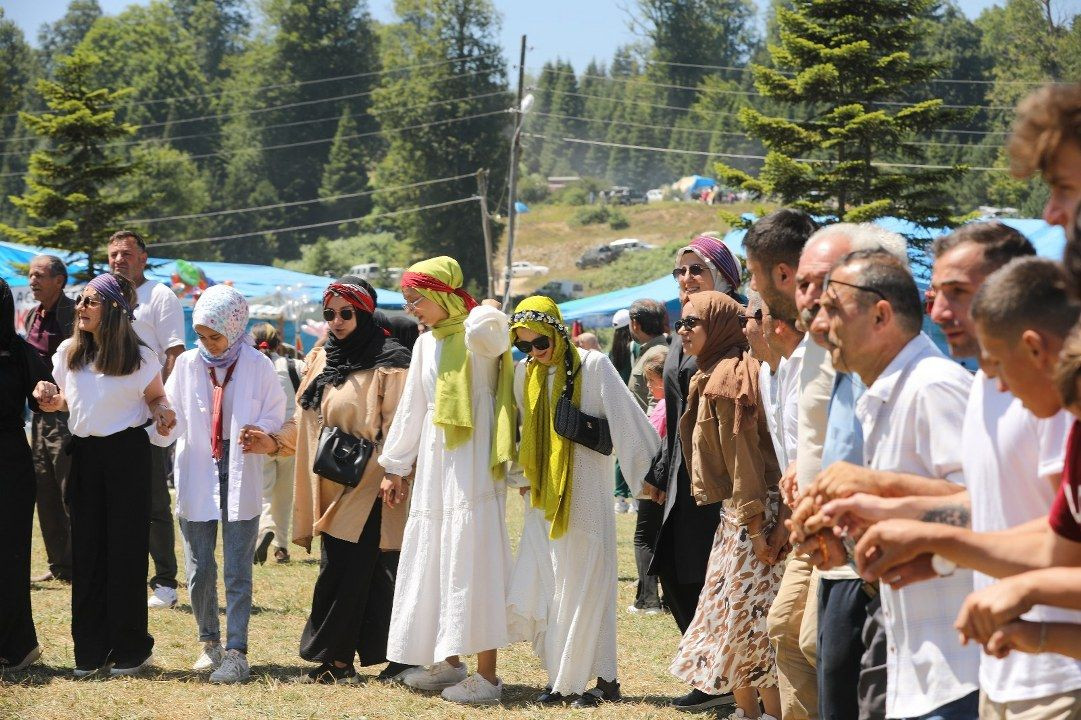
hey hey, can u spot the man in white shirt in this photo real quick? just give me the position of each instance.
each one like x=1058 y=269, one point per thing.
x=911 y=414
x=159 y=323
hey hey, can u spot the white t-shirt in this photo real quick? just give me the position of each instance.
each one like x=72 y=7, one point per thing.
x=767 y=387
x=787 y=408
x=1010 y=458
x=159 y=318
x=912 y=416
x=101 y=405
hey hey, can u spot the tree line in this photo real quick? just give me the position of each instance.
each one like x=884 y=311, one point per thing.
x=288 y=130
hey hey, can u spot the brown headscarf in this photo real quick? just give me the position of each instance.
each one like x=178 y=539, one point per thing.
x=733 y=373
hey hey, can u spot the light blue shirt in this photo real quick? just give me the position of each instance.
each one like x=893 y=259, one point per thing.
x=844 y=434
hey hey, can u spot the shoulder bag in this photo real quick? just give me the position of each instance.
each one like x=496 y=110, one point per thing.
x=341 y=457
x=577 y=426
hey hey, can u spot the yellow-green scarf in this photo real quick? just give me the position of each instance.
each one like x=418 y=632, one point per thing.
x=547 y=458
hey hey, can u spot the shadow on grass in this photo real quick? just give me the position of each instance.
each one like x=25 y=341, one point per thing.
x=255 y=610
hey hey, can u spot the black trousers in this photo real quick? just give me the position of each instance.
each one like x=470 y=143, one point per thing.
x=872 y=682
x=17 y=636
x=162 y=531
x=646 y=529
x=353 y=597
x=48 y=436
x=109 y=500
x=842 y=613
x=681 y=599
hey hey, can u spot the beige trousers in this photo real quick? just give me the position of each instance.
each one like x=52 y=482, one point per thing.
x=277 y=500
x=1064 y=706
x=793 y=630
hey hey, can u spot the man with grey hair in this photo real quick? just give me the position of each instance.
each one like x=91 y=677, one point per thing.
x=649 y=320
x=47 y=325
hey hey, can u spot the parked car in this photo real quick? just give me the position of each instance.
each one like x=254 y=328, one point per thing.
x=561 y=290
x=368 y=271
x=524 y=268
x=601 y=255
x=622 y=195
x=631 y=245
x=654 y=195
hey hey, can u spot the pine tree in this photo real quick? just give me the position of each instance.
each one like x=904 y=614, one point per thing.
x=345 y=172
x=842 y=68
x=68 y=179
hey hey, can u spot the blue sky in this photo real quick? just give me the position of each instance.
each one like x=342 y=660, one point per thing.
x=572 y=29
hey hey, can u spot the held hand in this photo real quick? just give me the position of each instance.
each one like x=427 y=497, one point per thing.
x=164 y=419
x=855 y=513
x=915 y=570
x=1022 y=635
x=804 y=510
x=789 y=491
x=654 y=493
x=254 y=440
x=988 y=609
x=824 y=550
x=47 y=396
x=842 y=479
x=890 y=543
x=393 y=489
x=777 y=539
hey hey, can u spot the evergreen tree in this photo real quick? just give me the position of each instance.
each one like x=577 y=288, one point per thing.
x=465 y=76
x=20 y=67
x=61 y=37
x=66 y=179
x=221 y=26
x=345 y=172
x=844 y=67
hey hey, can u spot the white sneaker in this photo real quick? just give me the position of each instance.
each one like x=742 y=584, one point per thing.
x=122 y=670
x=435 y=677
x=739 y=715
x=211 y=657
x=162 y=599
x=622 y=506
x=233 y=669
x=474 y=690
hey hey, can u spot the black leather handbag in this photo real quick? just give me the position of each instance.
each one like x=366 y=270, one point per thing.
x=577 y=426
x=341 y=457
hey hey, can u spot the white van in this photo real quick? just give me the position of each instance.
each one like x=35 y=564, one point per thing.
x=631 y=245
x=368 y=271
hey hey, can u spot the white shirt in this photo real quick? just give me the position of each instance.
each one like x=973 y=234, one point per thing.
x=100 y=405
x=787 y=408
x=252 y=397
x=815 y=389
x=159 y=318
x=767 y=388
x=912 y=417
x=1012 y=463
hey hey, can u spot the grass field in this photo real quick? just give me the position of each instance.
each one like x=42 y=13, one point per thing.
x=282 y=596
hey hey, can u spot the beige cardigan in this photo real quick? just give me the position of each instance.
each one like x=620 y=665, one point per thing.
x=363 y=406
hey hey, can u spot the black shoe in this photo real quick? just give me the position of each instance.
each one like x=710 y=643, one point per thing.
x=331 y=674
x=393 y=672
x=604 y=692
x=551 y=698
x=262 y=547
x=696 y=700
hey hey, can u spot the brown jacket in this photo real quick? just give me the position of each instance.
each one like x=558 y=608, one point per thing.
x=725 y=466
x=363 y=406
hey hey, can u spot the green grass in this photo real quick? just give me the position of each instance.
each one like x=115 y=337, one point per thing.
x=282 y=596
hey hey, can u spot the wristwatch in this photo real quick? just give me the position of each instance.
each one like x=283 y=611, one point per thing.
x=942 y=566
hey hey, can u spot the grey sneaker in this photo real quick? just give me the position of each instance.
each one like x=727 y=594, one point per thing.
x=233 y=669
x=211 y=657
x=439 y=676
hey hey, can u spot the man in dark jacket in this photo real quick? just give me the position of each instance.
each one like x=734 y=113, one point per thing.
x=47 y=325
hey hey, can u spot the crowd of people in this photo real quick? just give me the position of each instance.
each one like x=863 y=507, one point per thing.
x=842 y=520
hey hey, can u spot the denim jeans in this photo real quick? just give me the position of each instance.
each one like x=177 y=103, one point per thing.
x=964 y=708
x=238 y=547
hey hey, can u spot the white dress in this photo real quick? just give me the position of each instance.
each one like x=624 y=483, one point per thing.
x=562 y=594
x=450 y=593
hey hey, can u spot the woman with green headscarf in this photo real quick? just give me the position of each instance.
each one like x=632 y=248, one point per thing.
x=562 y=595
x=454 y=424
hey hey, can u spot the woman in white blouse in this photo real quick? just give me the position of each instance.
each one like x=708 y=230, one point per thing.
x=221 y=389
x=110 y=383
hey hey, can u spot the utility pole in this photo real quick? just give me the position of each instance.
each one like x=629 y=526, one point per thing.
x=512 y=195
x=485 y=224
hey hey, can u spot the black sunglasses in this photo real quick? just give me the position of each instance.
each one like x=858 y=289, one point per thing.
x=744 y=319
x=696 y=269
x=346 y=313
x=690 y=323
x=540 y=342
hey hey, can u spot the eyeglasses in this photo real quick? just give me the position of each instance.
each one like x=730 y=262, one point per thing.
x=744 y=319
x=829 y=281
x=687 y=323
x=411 y=305
x=87 y=301
x=540 y=343
x=345 y=313
x=695 y=269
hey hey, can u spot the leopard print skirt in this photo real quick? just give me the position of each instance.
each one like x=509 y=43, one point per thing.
x=727 y=645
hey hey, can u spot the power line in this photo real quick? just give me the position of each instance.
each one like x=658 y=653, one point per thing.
x=276 y=231
x=329 y=198
x=301 y=83
x=737 y=156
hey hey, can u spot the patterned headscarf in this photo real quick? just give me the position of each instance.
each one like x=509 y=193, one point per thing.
x=224 y=310
x=546 y=457
x=721 y=262
x=108 y=287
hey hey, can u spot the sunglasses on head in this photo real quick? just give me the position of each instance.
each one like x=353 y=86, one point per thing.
x=540 y=343
x=345 y=313
x=687 y=323
x=695 y=269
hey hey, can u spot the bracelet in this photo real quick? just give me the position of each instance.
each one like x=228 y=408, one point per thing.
x=1043 y=638
x=760 y=533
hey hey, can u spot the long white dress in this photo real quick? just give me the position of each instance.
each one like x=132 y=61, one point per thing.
x=450 y=593
x=562 y=595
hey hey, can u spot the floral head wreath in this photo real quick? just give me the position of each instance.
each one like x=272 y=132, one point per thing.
x=541 y=317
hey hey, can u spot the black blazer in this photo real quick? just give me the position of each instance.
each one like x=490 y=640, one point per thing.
x=65 y=316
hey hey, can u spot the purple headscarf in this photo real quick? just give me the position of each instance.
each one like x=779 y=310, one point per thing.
x=107 y=286
x=722 y=263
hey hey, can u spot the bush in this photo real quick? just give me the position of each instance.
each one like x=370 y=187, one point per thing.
x=533 y=189
x=617 y=220
x=591 y=215
x=578 y=192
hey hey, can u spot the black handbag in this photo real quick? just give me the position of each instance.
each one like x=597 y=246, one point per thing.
x=577 y=426
x=341 y=457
